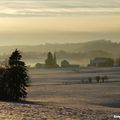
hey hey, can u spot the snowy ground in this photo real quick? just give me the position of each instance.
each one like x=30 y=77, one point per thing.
x=60 y=95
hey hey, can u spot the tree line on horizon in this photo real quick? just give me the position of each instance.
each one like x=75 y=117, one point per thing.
x=51 y=62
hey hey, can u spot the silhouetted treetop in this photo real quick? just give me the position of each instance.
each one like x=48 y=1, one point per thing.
x=15 y=59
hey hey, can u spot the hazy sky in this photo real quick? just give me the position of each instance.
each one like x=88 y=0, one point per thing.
x=58 y=21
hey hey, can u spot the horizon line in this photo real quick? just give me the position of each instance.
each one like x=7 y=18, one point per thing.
x=106 y=40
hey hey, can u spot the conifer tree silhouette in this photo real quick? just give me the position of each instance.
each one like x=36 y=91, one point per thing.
x=16 y=78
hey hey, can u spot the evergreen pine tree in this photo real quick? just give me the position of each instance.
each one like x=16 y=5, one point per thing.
x=16 y=78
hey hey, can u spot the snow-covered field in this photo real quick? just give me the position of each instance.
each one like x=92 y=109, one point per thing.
x=59 y=94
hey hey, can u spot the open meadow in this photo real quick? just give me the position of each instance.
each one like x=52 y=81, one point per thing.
x=66 y=94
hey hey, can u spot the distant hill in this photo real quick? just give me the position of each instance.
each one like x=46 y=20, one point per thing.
x=75 y=52
x=97 y=45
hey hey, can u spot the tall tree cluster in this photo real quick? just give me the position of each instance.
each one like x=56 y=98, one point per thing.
x=51 y=62
x=14 y=79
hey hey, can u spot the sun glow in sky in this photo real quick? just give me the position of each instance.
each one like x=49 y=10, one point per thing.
x=57 y=21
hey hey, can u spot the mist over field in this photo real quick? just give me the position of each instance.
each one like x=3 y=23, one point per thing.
x=76 y=53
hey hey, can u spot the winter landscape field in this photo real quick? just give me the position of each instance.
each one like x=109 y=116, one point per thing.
x=70 y=50
x=61 y=94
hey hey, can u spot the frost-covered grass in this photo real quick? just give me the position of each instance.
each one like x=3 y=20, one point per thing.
x=49 y=98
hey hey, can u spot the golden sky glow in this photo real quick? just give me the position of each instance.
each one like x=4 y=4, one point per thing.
x=47 y=21
x=87 y=23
